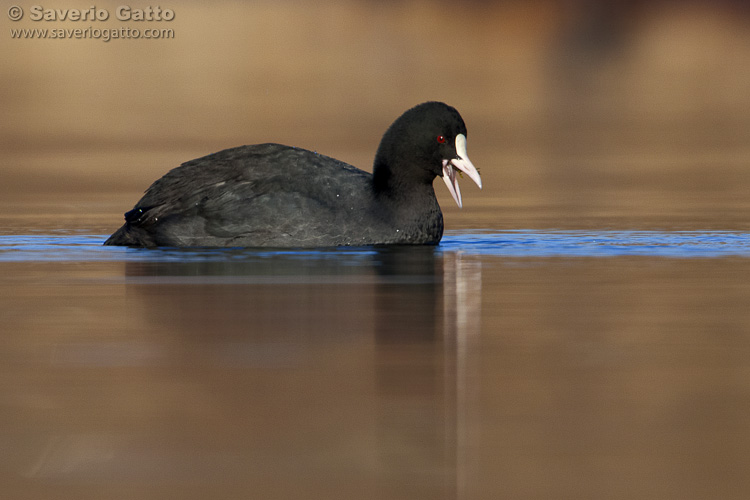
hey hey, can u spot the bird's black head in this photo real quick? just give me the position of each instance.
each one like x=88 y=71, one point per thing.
x=427 y=141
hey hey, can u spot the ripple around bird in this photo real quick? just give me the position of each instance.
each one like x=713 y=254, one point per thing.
x=503 y=244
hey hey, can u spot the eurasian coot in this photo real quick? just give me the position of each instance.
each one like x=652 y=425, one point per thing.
x=269 y=195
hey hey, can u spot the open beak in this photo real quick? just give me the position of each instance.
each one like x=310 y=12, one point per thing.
x=462 y=163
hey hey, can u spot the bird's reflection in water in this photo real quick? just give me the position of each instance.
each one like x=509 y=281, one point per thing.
x=462 y=308
x=380 y=335
x=425 y=330
x=417 y=446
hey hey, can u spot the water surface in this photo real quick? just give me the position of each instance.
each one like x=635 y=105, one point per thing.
x=499 y=364
x=515 y=243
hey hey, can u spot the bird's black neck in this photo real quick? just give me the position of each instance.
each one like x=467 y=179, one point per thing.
x=409 y=203
x=396 y=182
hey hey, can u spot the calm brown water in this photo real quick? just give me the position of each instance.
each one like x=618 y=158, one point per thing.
x=401 y=373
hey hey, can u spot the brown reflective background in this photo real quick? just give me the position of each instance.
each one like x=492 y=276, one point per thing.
x=413 y=376
x=408 y=373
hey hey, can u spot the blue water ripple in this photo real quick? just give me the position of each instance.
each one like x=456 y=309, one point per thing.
x=558 y=243
x=508 y=244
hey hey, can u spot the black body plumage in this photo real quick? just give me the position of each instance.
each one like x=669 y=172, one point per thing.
x=270 y=195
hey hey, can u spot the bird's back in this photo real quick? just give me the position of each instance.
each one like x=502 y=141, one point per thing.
x=261 y=195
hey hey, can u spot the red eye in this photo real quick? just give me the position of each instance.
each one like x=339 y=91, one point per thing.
x=441 y=139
